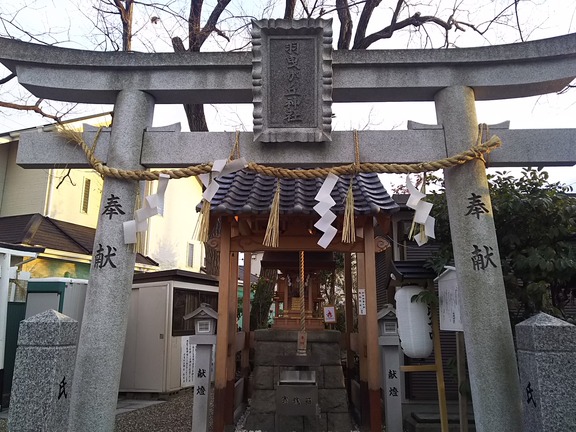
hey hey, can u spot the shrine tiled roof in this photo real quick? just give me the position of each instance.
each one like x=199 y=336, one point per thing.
x=247 y=192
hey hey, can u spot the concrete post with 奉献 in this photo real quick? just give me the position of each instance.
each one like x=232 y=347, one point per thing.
x=487 y=330
x=43 y=373
x=101 y=345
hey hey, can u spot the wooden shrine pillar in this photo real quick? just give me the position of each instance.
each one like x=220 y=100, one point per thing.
x=362 y=350
x=222 y=337
x=286 y=297
x=232 y=329
x=245 y=359
x=373 y=348
x=310 y=306
x=349 y=310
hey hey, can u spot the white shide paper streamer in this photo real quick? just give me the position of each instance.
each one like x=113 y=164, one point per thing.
x=152 y=205
x=325 y=203
x=220 y=167
x=422 y=213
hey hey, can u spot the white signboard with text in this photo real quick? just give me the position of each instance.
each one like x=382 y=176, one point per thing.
x=449 y=301
x=361 y=301
x=188 y=350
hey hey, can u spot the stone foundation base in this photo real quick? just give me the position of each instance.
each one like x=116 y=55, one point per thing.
x=323 y=349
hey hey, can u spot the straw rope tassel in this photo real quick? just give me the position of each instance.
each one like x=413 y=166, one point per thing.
x=348 y=228
x=271 y=239
x=204 y=229
x=302 y=295
x=302 y=338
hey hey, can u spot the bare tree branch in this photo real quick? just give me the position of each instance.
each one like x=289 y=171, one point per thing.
x=518 y=20
x=305 y=7
x=365 y=16
x=35 y=108
x=289 y=9
x=7 y=78
x=126 y=11
x=67 y=175
x=345 y=36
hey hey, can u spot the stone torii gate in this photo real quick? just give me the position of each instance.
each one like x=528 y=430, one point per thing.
x=453 y=79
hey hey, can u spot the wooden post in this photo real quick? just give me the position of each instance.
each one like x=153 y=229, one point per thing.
x=349 y=305
x=245 y=360
x=362 y=350
x=373 y=348
x=436 y=367
x=461 y=364
x=310 y=306
x=286 y=298
x=439 y=371
x=232 y=329
x=222 y=337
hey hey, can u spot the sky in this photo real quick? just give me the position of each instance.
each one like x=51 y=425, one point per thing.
x=62 y=22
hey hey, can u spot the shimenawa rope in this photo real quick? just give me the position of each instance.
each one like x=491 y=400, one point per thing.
x=475 y=152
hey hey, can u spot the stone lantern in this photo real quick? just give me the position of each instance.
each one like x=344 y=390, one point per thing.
x=205 y=319
x=391 y=360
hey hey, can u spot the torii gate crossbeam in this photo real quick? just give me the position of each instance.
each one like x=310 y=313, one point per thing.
x=495 y=72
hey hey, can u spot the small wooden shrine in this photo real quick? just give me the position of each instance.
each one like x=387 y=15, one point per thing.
x=287 y=301
x=242 y=209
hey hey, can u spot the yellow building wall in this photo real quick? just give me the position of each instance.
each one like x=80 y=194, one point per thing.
x=169 y=236
x=24 y=189
x=66 y=192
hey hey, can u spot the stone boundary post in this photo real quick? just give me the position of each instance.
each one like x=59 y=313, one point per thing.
x=43 y=373
x=546 y=359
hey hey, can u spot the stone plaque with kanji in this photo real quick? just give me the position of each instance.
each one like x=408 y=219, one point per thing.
x=292 y=80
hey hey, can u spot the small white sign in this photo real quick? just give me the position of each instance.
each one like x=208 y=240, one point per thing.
x=329 y=314
x=362 y=302
x=449 y=301
x=187 y=365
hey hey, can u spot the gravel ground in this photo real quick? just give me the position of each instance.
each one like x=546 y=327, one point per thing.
x=174 y=415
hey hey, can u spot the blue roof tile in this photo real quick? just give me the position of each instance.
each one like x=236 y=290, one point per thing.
x=246 y=192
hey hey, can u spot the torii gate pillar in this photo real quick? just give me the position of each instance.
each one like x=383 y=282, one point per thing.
x=101 y=346
x=487 y=331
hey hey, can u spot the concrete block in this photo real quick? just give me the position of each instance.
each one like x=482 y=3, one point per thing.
x=546 y=355
x=260 y=422
x=332 y=400
x=317 y=423
x=339 y=422
x=286 y=423
x=267 y=352
x=326 y=353
x=333 y=377
x=430 y=422
x=263 y=401
x=49 y=328
x=43 y=373
x=543 y=332
x=263 y=377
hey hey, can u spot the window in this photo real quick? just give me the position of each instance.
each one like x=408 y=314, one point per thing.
x=186 y=301
x=190 y=255
x=85 y=196
x=204 y=327
x=390 y=327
